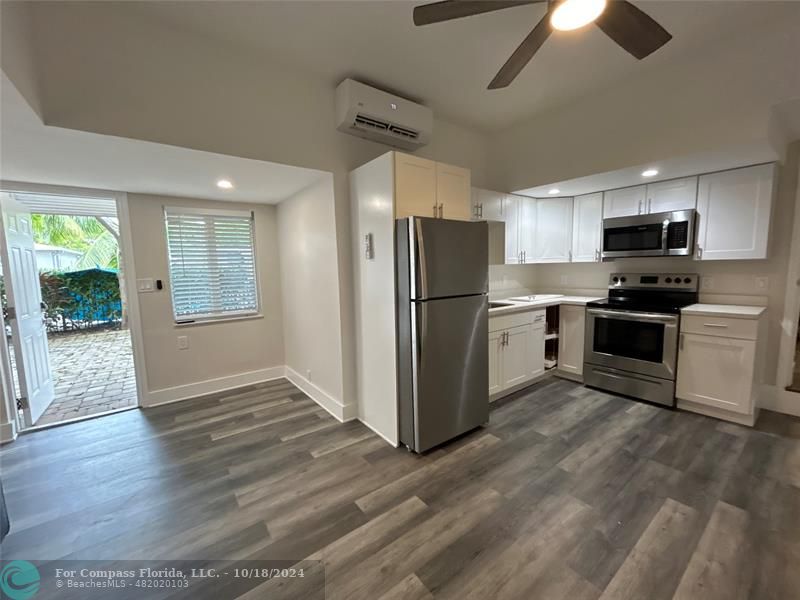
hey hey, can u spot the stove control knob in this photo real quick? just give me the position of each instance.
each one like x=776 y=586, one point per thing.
x=615 y=280
x=687 y=280
x=678 y=280
x=623 y=279
x=668 y=280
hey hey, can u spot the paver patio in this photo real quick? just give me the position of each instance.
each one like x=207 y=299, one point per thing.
x=92 y=372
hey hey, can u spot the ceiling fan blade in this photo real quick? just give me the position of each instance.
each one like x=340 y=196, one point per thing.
x=632 y=29
x=455 y=9
x=523 y=54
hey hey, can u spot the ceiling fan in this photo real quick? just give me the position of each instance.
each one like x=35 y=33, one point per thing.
x=620 y=20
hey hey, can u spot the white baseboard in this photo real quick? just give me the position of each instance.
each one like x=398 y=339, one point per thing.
x=379 y=434
x=211 y=386
x=341 y=412
x=782 y=401
x=725 y=415
x=8 y=432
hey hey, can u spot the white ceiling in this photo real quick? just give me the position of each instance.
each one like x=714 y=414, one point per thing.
x=448 y=65
x=683 y=166
x=35 y=153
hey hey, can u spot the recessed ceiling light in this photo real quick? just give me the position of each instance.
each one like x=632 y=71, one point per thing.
x=554 y=191
x=224 y=184
x=574 y=14
x=650 y=173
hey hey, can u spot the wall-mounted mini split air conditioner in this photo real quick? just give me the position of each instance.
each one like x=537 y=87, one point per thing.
x=382 y=117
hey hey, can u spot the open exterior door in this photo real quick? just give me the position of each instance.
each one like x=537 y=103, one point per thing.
x=26 y=316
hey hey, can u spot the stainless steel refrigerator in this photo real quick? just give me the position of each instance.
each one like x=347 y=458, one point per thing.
x=442 y=270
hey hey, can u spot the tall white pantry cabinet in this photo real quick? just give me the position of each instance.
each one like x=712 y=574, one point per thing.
x=394 y=185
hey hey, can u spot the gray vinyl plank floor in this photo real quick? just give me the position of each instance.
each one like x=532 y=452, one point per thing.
x=567 y=493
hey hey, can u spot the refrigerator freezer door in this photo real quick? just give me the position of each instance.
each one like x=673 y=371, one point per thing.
x=449 y=258
x=451 y=368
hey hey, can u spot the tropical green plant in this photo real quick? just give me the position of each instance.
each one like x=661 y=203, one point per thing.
x=95 y=240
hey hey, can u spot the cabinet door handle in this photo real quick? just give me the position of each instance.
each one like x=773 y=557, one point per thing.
x=435 y=206
x=699 y=252
x=720 y=325
x=649 y=205
x=480 y=208
x=441 y=211
x=570 y=256
x=640 y=208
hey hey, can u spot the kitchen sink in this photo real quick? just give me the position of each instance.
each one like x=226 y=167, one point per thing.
x=536 y=297
x=500 y=304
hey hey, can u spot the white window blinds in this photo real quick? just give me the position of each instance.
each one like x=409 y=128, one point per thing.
x=211 y=263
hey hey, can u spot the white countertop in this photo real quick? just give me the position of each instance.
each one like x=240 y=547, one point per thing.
x=523 y=306
x=724 y=310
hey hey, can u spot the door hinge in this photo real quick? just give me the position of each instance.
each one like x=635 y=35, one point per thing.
x=11 y=313
x=22 y=403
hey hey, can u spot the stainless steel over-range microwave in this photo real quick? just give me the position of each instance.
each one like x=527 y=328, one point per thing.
x=657 y=234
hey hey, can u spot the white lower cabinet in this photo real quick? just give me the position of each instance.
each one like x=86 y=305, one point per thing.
x=571 y=332
x=516 y=350
x=496 y=341
x=516 y=357
x=719 y=364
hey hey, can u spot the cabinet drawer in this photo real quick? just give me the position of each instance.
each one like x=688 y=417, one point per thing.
x=500 y=322
x=746 y=329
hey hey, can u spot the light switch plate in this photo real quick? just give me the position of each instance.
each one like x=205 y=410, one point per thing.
x=707 y=283
x=762 y=284
x=145 y=285
x=183 y=342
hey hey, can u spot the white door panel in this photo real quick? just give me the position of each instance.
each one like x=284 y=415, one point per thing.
x=624 y=202
x=24 y=296
x=587 y=223
x=675 y=194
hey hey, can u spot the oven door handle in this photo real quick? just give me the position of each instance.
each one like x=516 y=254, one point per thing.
x=632 y=316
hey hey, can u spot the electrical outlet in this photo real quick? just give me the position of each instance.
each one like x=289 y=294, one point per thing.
x=564 y=279
x=707 y=283
x=183 y=342
x=762 y=284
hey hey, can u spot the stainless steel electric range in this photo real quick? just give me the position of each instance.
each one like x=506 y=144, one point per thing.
x=631 y=343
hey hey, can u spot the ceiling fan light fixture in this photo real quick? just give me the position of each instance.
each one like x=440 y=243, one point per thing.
x=574 y=14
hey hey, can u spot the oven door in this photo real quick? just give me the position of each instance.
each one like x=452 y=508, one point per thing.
x=645 y=343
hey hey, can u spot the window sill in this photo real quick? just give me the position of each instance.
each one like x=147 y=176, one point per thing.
x=214 y=320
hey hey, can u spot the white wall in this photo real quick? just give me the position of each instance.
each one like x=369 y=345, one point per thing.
x=310 y=295
x=221 y=355
x=712 y=100
x=102 y=68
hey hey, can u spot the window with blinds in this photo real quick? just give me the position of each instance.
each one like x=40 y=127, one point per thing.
x=211 y=263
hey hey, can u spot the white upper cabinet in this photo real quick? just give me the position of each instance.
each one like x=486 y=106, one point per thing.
x=675 y=194
x=453 y=191
x=587 y=225
x=527 y=228
x=414 y=186
x=624 y=202
x=511 y=218
x=425 y=188
x=733 y=209
x=487 y=205
x=553 y=239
